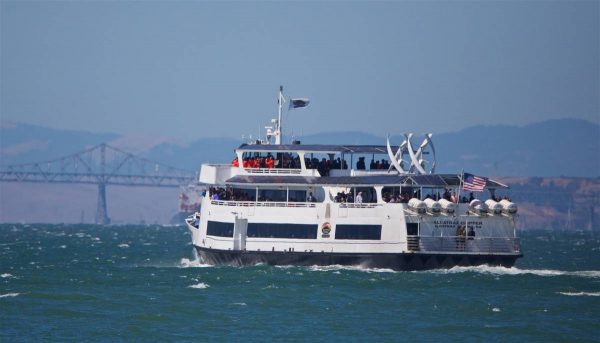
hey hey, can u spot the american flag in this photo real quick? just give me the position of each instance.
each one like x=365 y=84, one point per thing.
x=473 y=183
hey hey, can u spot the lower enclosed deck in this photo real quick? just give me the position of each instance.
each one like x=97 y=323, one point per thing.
x=395 y=261
x=377 y=235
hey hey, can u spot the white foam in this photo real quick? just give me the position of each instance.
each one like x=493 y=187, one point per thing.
x=240 y=304
x=579 y=294
x=6 y=275
x=187 y=263
x=200 y=285
x=495 y=309
x=337 y=267
x=123 y=245
x=63 y=246
x=9 y=295
x=496 y=270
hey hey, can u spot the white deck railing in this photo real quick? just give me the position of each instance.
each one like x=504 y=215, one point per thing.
x=270 y=171
x=362 y=205
x=262 y=203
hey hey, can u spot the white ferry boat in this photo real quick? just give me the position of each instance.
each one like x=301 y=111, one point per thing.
x=298 y=204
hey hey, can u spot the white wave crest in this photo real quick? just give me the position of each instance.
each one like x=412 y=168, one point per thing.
x=579 y=294
x=200 y=285
x=187 y=263
x=123 y=245
x=337 y=267
x=6 y=275
x=9 y=295
x=496 y=270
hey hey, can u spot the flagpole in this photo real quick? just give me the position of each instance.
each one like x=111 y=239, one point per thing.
x=462 y=184
x=279 y=130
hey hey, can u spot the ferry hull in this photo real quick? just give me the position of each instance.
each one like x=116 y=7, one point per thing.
x=398 y=261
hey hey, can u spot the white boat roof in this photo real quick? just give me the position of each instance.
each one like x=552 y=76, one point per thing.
x=316 y=148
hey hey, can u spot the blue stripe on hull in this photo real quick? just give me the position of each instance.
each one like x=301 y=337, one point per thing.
x=397 y=261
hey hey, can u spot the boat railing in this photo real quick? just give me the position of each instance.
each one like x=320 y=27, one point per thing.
x=367 y=172
x=273 y=171
x=263 y=203
x=464 y=244
x=361 y=205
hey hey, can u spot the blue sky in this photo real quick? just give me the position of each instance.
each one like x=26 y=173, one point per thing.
x=191 y=69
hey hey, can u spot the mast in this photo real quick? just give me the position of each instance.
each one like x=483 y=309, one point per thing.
x=278 y=131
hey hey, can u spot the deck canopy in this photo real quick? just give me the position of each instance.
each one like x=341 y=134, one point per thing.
x=432 y=181
x=316 y=148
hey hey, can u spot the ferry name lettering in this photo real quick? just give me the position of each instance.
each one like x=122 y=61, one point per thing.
x=440 y=224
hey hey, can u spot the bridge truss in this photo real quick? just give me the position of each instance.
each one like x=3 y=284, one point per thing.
x=101 y=165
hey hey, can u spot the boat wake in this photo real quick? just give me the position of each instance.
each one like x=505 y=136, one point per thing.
x=338 y=267
x=196 y=263
x=7 y=295
x=495 y=270
x=579 y=294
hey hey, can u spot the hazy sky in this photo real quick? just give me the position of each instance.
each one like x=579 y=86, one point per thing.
x=190 y=69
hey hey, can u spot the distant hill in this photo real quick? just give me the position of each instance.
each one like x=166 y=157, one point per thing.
x=563 y=203
x=566 y=147
x=24 y=143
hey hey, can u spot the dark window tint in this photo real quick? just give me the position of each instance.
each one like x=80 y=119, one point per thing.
x=358 y=232
x=297 y=231
x=412 y=229
x=219 y=229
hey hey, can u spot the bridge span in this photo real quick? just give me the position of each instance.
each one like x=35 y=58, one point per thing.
x=101 y=165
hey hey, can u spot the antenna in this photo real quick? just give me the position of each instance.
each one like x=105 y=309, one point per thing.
x=278 y=127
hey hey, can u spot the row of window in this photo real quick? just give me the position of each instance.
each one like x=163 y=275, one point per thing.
x=295 y=231
x=370 y=232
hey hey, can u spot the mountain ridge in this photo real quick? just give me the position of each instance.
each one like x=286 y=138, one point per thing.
x=557 y=147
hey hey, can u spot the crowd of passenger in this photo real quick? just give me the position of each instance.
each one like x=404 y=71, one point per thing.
x=374 y=165
x=220 y=193
x=498 y=198
x=396 y=198
x=447 y=195
x=288 y=161
x=344 y=197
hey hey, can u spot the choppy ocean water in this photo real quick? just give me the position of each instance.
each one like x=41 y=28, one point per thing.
x=142 y=283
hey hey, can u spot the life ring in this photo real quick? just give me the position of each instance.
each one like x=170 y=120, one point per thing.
x=326 y=228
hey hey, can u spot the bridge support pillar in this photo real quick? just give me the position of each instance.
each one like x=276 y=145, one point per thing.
x=101 y=211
